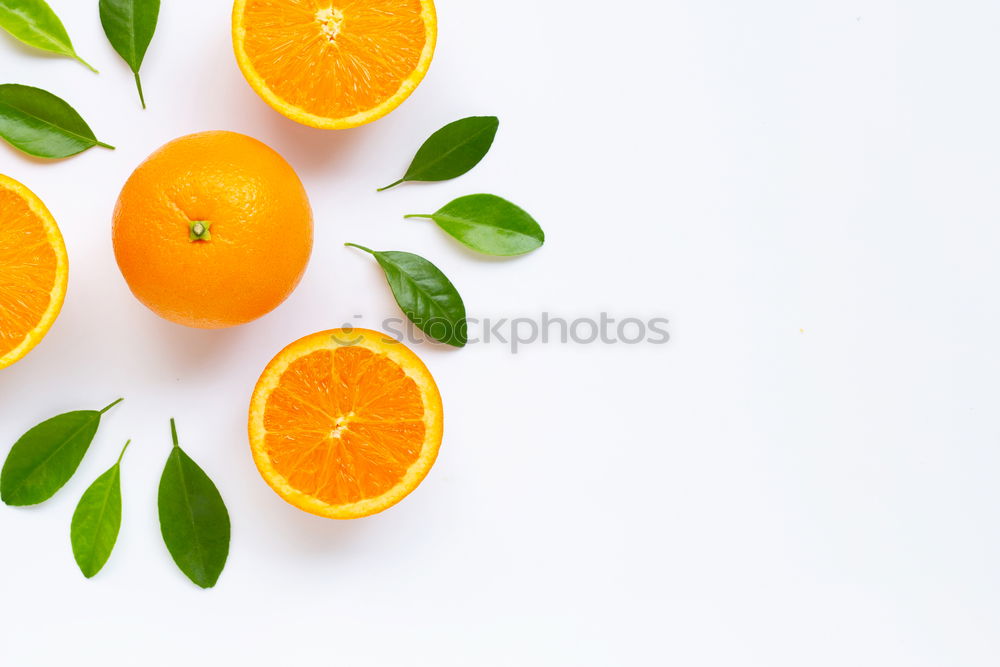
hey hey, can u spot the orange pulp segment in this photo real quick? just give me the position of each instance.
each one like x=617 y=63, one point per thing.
x=334 y=64
x=33 y=270
x=345 y=423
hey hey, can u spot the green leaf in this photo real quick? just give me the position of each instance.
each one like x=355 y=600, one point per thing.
x=34 y=23
x=129 y=25
x=452 y=151
x=193 y=518
x=39 y=123
x=424 y=294
x=97 y=519
x=489 y=224
x=43 y=459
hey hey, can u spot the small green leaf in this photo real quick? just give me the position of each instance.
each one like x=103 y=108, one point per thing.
x=129 y=25
x=424 y=294
x=39 y=123
x=97 y=519
x=452 y=151
x=34 y=23
x=194 y=520
x=43 y=459
x=489 y=224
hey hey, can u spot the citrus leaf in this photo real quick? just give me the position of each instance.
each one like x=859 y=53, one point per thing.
x=424 y=294
x=38 y=123
x=43 y=459
x=97 y=519
x=194 y=520
x=129 y=25
x=452 y=151
x=489 y=224
x=34 y=23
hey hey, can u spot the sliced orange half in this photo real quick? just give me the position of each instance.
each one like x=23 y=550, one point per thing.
x=334 y=64
x=33 y=270
x=345 y=423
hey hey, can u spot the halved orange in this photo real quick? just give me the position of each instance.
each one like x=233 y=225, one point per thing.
x=334 y=64
x=34 y=270
x=345 y=423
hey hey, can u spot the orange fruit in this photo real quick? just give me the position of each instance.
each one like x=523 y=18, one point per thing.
x=345 y=423
x=334 y=64
x=213 y=230
x=34 y=270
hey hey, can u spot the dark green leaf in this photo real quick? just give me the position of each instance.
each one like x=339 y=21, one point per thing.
x=34 y=23
x=44 y=458
x=97 y=519
x=489 y=224
x=193 y=518
x=39 y=123
x=452 y=151
x=129 y=25
x=424 y=294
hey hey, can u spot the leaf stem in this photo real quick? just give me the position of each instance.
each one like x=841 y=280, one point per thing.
x=173 y=432
x=391 y=185
x=127 y=443
x=138 y=84
x=419 y=215
x=86 y=64
x=111 y=405
x=104 y=145
x=360 y=247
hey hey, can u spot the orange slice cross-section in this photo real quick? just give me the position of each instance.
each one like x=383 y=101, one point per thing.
x=334 y=64
x=33 y=271
x=345 y=423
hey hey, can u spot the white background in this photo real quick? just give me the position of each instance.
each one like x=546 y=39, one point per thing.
x=805 y=475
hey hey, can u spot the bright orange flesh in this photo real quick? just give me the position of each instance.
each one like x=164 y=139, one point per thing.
x=334 y=63
x=345 y=423
x=33 y=271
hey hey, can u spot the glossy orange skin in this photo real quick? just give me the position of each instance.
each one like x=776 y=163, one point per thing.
x=261 y=230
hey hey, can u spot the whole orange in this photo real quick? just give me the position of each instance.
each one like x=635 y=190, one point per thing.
x=213 y=230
